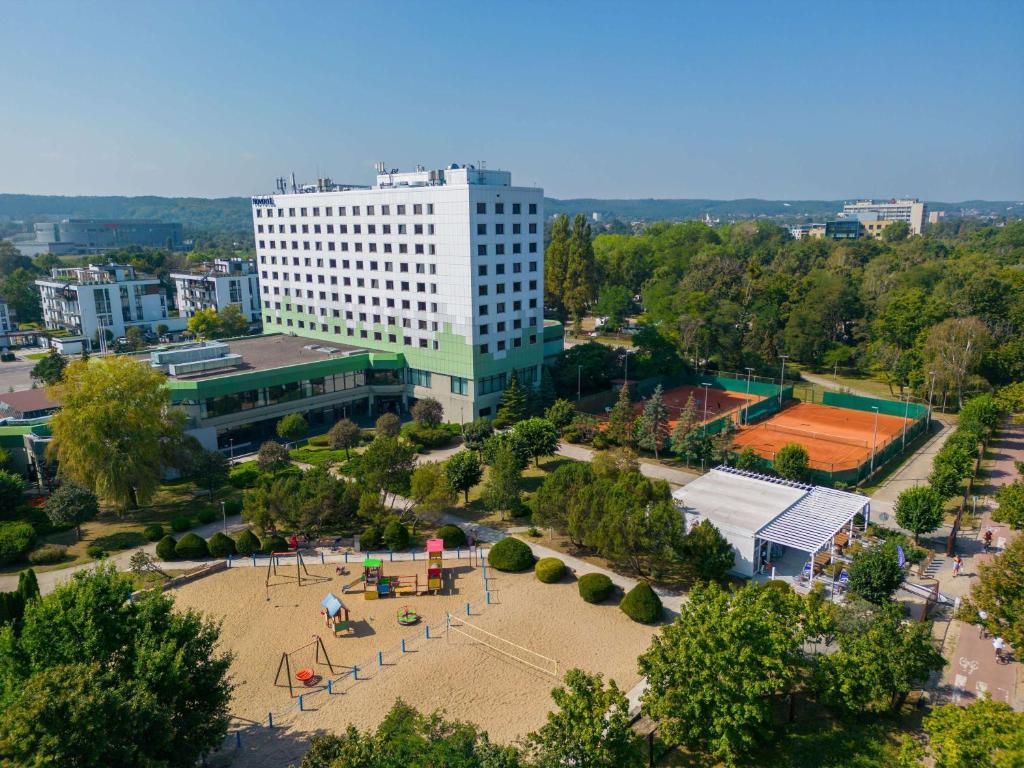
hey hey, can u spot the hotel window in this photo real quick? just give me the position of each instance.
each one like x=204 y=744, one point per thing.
x=533 y=207
x=460 y=386
x=385 y=210
x=499 y=207
x=417 y=210
x=401 y=210
x=490 y=384
x=481 y=250
x=499 y=229
x=430 y=207
x=481 y=229
x=369 y=210
x=484 y=349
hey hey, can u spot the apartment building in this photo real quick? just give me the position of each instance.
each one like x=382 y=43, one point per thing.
x=215 y=285
x=111 y=297
x=443 y=266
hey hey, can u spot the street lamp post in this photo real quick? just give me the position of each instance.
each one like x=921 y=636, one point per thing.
x=746 y=405
x=224 y=514
x=231 y=449
x=931 y=391
x=874 y=440
x=782 y=378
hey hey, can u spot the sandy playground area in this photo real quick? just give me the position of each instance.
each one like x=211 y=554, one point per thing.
x=471 y=681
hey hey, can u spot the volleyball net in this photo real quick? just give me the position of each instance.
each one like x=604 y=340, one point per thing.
x=502 y=646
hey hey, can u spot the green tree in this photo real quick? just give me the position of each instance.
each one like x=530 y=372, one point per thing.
x=560 y=413
x=614 y=303
x=428 y=412
x=580 y=289
x=292 y=427
x=429 y=490
x=108 y=434
x=556 y=260
x=344 y=434
x=698 y=694
x=1010 y=499
x=72 y=504
x=512 y=405
x=791 y=461
x=620 y=419
x=1000 y=593
x=685 y=423
x=502 y=488
x=387 y=465
x=463 y=471
x=562 y=501
x=984 y=734
x=22 y=295
x=546 y=394
x=919 y=510
x=99 y=679
x=896 y=232
x=272 y=456
x=538 y=436
x=50 y=369
x=232 y=321
x=706 y=553
x=878 y=665
x=875 y=574
x=590 y=729
x=653 y=423
x=638 y=524
x=210 y=470
x=476 y=433
x=954 y=350
x=205 y=324
x=12 y=492
x=388 y=425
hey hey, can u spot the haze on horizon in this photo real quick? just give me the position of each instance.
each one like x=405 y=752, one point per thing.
x=712 y=100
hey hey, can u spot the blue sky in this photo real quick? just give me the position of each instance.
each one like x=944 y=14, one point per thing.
x=718 y=99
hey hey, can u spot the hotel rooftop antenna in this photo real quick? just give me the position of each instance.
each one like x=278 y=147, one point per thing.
x=295 y=187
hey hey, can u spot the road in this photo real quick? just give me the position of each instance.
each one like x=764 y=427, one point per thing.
x=15 y=375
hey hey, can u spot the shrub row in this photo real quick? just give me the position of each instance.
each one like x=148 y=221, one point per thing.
x=191 y=546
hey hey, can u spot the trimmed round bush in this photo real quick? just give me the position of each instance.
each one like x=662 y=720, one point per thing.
x=206 y=515
x=15 y=540
x=180 y=524
x=191 y=546
x=396 y=535
x=642 y=604
x=511 y=555
x=165 y=548
x=549 y=570
x=220 y=545
x=95 y=551
x=47 y=553
x=452 y=536
x=153 y=532
x=274 y=544
x=247 y=542
x=370 y=538
x=595 y=587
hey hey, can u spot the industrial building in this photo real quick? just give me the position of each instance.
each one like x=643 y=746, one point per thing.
x=445 y=267
x=90 y=236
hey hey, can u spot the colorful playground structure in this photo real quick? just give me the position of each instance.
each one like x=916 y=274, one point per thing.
x=336 y=615
x=377 y=585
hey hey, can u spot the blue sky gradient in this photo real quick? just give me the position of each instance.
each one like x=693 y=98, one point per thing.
x=715 y=100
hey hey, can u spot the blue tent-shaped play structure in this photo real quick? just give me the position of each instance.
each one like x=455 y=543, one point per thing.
x=336 y=613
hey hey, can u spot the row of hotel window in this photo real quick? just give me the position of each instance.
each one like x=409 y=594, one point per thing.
x=385 y=229
x=385 y=210
x=420 y=248
x=373 y=266
x=500 y=307
x=500 y=346
x=482 y=289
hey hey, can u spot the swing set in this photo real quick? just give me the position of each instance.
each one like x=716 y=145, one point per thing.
x=307 y=676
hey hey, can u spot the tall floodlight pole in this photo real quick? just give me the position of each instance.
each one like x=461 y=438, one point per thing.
x=746 y=406
x=906 y=414
x=931 y=391
x=782 y=378
x=874 y=440
x=224 y=513
x=704 y=430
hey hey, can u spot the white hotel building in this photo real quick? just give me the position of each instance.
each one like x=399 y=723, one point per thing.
x=445 y=267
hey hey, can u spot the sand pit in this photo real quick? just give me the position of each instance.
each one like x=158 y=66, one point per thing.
x=505 y=697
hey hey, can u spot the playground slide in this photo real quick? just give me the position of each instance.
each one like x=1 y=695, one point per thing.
x=349 y=586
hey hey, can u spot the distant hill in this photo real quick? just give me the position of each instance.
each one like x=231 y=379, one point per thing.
x=231 y=215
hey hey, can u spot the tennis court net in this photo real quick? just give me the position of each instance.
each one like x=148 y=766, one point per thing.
x=815 y=435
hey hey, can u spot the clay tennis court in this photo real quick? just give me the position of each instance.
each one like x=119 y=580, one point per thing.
x=835 y=438
x=720 y=402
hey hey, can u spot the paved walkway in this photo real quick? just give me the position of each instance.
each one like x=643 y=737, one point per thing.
x=973 y=669
x=653 y=470
x=48 y=580
x=913 y=473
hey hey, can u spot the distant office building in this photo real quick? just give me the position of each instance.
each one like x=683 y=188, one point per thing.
x=843 y=229
x=801 y=231
x=111 y=297
x=911 y=211
x=934 y=217
x=100 y=235
x=6 y=323
x=215 y=285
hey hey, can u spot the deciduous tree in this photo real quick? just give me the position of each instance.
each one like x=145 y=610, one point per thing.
x=428 y=412
x=463 y=471
x=344 y=434
x=72 y=504
x=919 y=510
x=539 y=437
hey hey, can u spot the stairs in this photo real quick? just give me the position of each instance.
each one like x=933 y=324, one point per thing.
x=932 y=571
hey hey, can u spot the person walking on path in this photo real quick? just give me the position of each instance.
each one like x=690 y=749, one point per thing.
x=958 y=565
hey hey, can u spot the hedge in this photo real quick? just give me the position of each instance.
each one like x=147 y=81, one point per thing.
x=191 y=547
x=452 y=536
x=15 y=540
x=220 y=545
x=642 y=604
x=511 y=554
x=95 y=551
x=165 y=548
x=180 y=524
x=47 y=553
x=247 y=542
x=274 y=544
x=120 y=540
x=244 y=475
x=549 y=570
x=153 y=532
x=595 y=587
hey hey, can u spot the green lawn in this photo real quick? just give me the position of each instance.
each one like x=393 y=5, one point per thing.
x=36 y=355
x=533 y=476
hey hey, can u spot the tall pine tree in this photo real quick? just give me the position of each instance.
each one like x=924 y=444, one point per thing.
x=580 y=290
x=686 y=421
x=620 y=420
x=512 y=405
x=556 y=259
x=653 y=422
